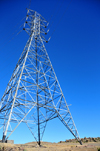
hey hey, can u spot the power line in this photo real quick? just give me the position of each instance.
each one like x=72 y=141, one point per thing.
x=15 y=25
x=53 y=12
x=4 y=67
x=56 y=14
x=12 y=37
x=11 y=40
x=60 y=19
x=16 y=35
x=5 y=35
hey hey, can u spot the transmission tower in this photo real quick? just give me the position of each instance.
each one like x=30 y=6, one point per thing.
x=33 y=95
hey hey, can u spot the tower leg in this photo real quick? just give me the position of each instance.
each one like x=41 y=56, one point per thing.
x=38 y=127
x=80 y=142
x=3 y=138
x=37 y=94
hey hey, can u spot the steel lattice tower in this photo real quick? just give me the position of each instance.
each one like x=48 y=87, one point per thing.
x=33 y=95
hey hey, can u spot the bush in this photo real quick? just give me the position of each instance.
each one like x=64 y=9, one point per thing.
x=98 y=149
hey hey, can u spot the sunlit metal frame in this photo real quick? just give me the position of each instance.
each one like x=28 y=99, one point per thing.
x=33 y=95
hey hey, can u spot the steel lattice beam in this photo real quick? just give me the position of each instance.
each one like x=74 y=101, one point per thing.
x=33 y=95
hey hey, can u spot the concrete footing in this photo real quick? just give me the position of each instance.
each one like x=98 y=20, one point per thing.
x=8 y=141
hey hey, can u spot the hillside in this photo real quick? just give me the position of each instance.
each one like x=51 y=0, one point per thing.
x=89 y=144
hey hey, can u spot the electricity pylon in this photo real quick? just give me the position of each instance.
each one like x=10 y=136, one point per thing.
x=33 y=95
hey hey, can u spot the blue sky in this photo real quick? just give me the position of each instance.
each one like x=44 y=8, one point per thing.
x=74 y=50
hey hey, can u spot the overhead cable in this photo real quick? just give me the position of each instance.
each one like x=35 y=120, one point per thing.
x=5 y=35
x=53 y=11
x=56 y=14
x=60 y=20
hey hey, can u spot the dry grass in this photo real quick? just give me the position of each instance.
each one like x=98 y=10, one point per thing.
x=50 y=147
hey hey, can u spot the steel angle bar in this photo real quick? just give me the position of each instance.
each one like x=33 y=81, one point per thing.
x=20 y=121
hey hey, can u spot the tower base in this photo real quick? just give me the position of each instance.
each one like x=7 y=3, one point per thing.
x=4 y=139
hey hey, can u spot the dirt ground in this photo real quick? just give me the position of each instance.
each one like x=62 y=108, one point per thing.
x=92 y=146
